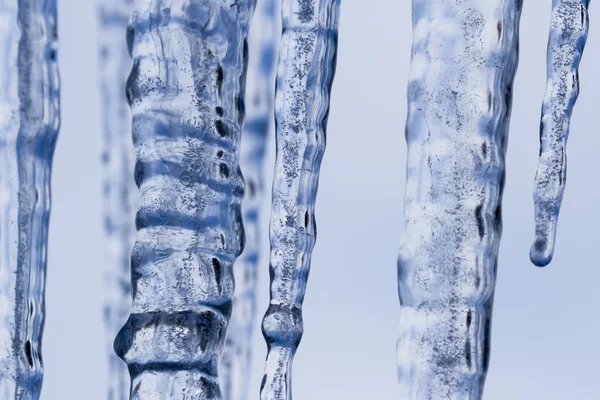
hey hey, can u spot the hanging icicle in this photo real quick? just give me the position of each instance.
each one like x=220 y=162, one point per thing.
x=305 y=74
x=186 y=93
x=260 y=87
x=120 y=194
x=568 y=34
x=464 y=59
x=29 y=119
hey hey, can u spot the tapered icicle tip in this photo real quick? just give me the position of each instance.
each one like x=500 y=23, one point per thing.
x=549 y=188
x=568 y=34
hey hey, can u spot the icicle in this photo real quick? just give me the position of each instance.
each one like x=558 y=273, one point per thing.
x=568 y=34
x=186 y=92
x=120 y=195
x=304 y=77
x=464 y=59
x=29 y=119
x=235 y=366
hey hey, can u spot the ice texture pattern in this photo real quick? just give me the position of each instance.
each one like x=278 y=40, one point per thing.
x=186 y=91
x=307 y=55
x=29 y=121
x=568 y=34
x=119 y=191
x=260 y=91
x=464 y=58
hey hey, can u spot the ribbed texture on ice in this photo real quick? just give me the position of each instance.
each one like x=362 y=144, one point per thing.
x=186 y=95
x=306 y=68
x=119 y=191
x=29 y=119
x=260 y=90
x=464 y=58
x=568 y=34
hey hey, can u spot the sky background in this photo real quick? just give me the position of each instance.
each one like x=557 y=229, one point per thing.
x=545 y=325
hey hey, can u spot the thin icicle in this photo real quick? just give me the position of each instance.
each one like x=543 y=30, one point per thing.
x=120 y=194
x=186 y=93
x=464 y=59
x=306 y=69
x=568 y=34
x=29 y=119
x=260 y=90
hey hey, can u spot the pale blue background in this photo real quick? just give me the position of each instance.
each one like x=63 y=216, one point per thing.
x=546 y=321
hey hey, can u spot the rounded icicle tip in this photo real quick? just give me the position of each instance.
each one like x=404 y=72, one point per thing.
x=542 y=250
x=547 y=208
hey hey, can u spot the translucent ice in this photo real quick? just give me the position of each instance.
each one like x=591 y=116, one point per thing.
x=568 y=34
x=464 y=58
x=186 y=92
x=260 y=90
x=304 y=77
x=120 y=194
x=29 y=119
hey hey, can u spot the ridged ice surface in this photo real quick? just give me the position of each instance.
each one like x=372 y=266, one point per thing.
x=568 y=34
x=464 y=58
x=119 y=191
x=305 y=73
x=186 y=94
x=29 y=119
x=260 y=91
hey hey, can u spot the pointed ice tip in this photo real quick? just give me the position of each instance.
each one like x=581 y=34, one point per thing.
x=541 y=252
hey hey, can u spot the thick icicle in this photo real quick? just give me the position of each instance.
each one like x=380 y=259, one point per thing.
x=305 y=74
x=464 y=59
x=29 y=119
x=120 y=194
x=186 y=92
x=260 y=87
x=568 y=34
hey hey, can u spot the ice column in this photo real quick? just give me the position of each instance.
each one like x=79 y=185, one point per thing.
x=260 y=91
x=120 y=194
x=29 y=119
x=186 y=93
x=464 y=58
x=305 y=74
